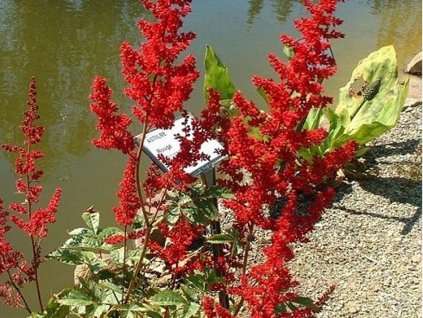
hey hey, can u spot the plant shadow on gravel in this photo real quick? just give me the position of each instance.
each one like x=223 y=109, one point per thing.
x=404 y=189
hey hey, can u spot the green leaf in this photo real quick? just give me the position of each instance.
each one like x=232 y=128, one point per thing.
x=291 y=306
x=289 y=52
x=81 y=231
x=314 y=119
x=305 y=301
x=280 y=308
x=168 y=298
x=220 y=239
x=92 y=220
x=217 y=76
x=218 y=192
x=190 y=293
x=67 y=256
x=371 y=118
x=191 y=310
x=110 y=286
x=263 y=94
x=56 y=310
x=107 y=232
x=130 y=311
x=153 y=314
x=76 y=297
x=100 y=310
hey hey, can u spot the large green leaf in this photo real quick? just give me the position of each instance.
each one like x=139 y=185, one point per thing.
x=362 y=116
x=371 y=118
x=217 y=76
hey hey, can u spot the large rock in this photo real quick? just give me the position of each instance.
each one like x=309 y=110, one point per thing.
x=415 y=65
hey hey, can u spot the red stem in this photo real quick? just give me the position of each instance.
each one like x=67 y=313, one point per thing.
x=35 y=246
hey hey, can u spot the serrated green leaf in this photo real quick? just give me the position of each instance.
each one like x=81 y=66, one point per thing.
x=220 y=239
x=173 y=215
x=167 y=298
x=76 y=297
x=56 y=310
x=110 y=286
x=217 y=76
x=191 y=310
x=67 y=256
x=81 y=231
x=190 y=293
x=100 y=310
x=92 y=220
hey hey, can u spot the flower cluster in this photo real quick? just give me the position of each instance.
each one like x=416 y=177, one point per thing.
x=33 y=222
x=264 y=169
x=264 y=163
x=157 y=84
x=113 y=127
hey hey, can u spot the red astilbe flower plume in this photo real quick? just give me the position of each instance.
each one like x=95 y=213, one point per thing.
x=157 y=84
x=113 y=126
x=264 y=164
x=128 y=195
x=25 y=167
x=32 y=220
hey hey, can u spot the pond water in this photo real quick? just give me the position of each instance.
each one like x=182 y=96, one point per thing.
x=66 y=43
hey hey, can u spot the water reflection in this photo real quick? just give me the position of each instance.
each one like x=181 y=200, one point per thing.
x=254 y=9
x=64 y=44
x=401 y=23
x=281 y=8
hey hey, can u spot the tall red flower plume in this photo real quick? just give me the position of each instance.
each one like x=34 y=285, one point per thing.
x=128 y=195
x=157 y=84
x=112 y=126
x=31 y=220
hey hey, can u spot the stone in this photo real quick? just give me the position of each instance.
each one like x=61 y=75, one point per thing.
x=415 y=65
x=414 y=96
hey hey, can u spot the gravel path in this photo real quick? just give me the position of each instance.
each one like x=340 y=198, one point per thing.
x=369 y=243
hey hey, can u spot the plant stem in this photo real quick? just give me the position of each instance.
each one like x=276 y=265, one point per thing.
x=125 y=246
x=247 y=248
x=149 y=229
x=139 y=265
x=35 y=247
x=137 y=172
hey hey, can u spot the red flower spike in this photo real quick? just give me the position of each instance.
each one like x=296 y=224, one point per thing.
x=113 y=126
x=159 y=87
x=128 y=196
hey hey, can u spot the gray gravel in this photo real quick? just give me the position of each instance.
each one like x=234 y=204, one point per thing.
x=369 y=243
